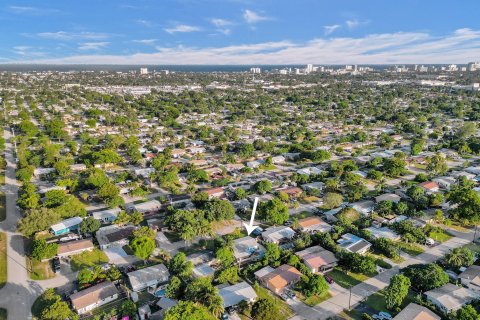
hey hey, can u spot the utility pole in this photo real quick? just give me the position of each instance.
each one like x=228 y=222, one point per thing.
x=475 y=234
x=350 y=299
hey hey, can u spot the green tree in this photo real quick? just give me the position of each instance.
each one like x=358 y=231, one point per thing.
x=37 y=220
x=43 y=250
x=240 y=194
x=142 y=247
x=202 y=291
x=264 y=309
x=225 y=256
x=89 y=225
x=85 y=276
x=467 y=312
x=460 y=257
x=174 y=288
x=437 y=165
x=136 y=218
x=188 y=310
x=262 y=186
x=180 y=266
x=332 y=200
x=59 y=310
x=128 y=308
x=425 y=277
x=396 y=291
x=229 y=274
x=274 y=211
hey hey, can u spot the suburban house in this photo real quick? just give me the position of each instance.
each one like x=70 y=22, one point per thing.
x=429 y=187
x=106 y=216
x=277 y=280
x=147 y=207
x=215 y=192
x=66 y=226
x=164 y=304
x=313 y=186
x=313 y=224
x=148 y=277
x=354 y=244
x=247 y=249
x=292 y=192
x=94 y=297
x=278 y=234
x=309 y=170
x=66 y=249
x=318 y=259
x=416 y=312
x=234 y=294
x=202 y=264
x=445 y=182
x=470 y=278
x=383 y=232
x=113 y=236
x=450 y=297
x=364 y=207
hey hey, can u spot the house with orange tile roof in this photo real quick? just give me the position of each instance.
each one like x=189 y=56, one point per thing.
x=280 y=278
x=429 y=186
x=313 y=224
x=318 y=259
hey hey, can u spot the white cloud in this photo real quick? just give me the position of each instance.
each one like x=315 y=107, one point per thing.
x=252 y=17
x=67 y=36
x=460 y=46
x=220 y=22
x=145 y=41
x=331 y=29
x=31 y=10
x=351 y=24
x=145 y=23
x=182 y=28
x=85 y=46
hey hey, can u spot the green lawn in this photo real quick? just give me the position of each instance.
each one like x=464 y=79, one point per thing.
x=440 y=236
x=347 y=279
x=3 y=260
x=3 y=314
x=3 y=209
x=88 y=259
x=410 y=248
x=377 y=301
x=39 y=270
x=314 y=300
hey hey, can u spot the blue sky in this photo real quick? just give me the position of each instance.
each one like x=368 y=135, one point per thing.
x=240 y=31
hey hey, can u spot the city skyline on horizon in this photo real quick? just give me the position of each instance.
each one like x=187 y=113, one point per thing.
x=239 y=32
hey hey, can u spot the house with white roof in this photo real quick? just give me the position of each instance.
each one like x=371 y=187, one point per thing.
x=234 y=294
x=66 y=226
x=106 y=216
x=278 y=234
x=450 y=297
x=354 y=244
x=145 y=207
x=247 y=249
x=148 y=277
x=383 y=232
x=365 y=207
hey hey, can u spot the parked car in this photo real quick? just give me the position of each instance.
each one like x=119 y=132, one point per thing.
x=56 y=264
x=382 y=316
x=329 y=279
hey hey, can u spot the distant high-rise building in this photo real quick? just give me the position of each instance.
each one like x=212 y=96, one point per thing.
x=255 y=70
x=143 y=70
x=473 y=66
x=309 y=68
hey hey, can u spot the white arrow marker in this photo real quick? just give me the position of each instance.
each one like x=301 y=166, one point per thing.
x=251 y=227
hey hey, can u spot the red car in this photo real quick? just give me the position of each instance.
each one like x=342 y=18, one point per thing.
x=328 y=279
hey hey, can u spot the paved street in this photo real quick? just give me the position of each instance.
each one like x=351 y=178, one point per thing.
x=20 y=292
